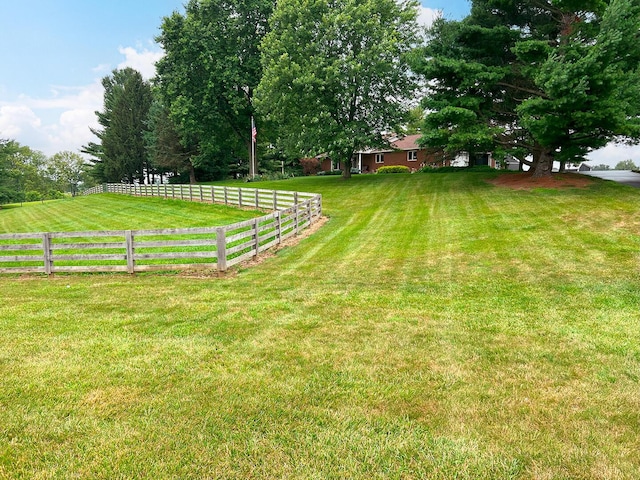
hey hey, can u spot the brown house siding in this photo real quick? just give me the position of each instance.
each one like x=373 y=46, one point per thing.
x=398 y=156
x=369 y=164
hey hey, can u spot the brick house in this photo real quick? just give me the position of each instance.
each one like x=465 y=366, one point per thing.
x=404 y=150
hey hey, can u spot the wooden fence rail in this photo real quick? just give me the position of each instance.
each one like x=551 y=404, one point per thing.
x=165 y=249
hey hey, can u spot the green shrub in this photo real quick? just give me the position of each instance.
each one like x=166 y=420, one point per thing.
x=269 y=177
x=335 y=172
x=33 y=196
x=394 y=169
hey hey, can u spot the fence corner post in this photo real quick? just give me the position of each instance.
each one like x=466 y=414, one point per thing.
x=131 y=264
x=221 y=248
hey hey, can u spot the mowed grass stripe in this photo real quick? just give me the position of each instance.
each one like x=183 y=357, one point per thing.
x=464 y=356
x=117 y=212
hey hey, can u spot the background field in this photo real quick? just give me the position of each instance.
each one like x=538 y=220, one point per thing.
x=435 y=327
x=112 y=212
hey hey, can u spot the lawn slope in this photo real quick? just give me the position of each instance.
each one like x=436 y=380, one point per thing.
x=436 y=327
x=116 y=212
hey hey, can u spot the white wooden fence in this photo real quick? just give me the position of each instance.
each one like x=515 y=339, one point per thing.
x=165 y=249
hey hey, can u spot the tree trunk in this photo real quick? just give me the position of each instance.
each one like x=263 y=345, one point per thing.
x=544 y=164
x=346 y=172
x=192 y=174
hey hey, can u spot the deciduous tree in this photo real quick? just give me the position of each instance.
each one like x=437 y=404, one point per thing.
x=336 y=75
x=208 y=76
x=67 y=170
x=626 y=165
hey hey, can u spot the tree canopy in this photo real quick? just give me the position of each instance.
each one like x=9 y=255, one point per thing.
x=121 y=153
x=29 y=175
x=626 y=165
x=208 y=76
x=549 y=80
x=336 y=75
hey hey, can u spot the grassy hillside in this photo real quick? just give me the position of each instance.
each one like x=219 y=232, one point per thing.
x=435 y=327
x=114 y=212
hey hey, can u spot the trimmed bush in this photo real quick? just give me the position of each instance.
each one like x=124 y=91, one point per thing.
x=310 y=166
x=394 y=169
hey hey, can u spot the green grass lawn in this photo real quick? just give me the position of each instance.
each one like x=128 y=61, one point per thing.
x=436 y=327
x=116 y=212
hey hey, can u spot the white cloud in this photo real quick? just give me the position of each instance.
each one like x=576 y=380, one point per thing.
x=61 y=120
x=72 y=130
x=55 y=123
x=143 y=61
x=426 y=16
x=17 y=119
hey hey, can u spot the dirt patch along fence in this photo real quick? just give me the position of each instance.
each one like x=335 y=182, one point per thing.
x=166 y=249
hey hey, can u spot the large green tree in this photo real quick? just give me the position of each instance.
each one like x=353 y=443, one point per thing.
x=336 y=75
x=166 y=149
x=208 y=75
x=10 y=186
x=27 y=174
x=120 y=154
x=67 y=170
x=552 y=80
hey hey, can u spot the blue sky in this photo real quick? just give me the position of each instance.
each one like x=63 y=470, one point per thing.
x=54 y=53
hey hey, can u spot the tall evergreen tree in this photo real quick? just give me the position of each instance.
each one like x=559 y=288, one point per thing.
x=553 y=80
x=165 y=149
x=121 y=154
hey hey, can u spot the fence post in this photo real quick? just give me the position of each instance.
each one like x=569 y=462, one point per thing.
x=226 y=199
x=278 y=226
x=201 y=199
x=295 y=198
x=105 y=188
x=128 y=236
x=256 y=232
x=257 y=199
x=190 y=193
x=46 y=249
x=221 y=247
x=240 y=197
x=213 y=194
x=297 y=219
x=309 y=212
x=275 y=200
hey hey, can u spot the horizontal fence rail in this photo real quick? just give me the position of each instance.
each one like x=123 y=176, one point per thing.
x=166 y=249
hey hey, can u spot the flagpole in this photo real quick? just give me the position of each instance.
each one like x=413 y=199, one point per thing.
x=252 y=166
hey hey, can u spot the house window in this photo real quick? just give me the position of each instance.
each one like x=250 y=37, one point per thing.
x=379 y=157
x=412 y=155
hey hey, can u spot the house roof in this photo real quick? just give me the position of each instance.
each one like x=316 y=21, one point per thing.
x=407 y=142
